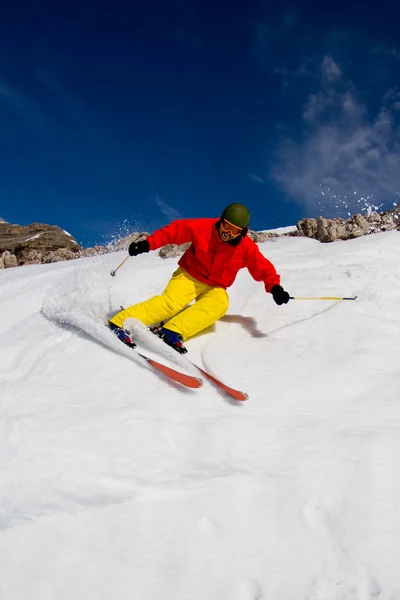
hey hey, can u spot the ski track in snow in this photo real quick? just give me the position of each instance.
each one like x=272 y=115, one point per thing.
x=117 y=483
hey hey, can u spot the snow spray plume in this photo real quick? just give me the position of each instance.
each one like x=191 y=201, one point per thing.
x=334 y=204
x=122 y=230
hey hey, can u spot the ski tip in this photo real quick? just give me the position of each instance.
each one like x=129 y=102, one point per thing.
x=241 y=396
x=189 y=381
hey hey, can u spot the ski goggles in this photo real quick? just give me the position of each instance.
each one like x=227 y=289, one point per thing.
x=228 y=227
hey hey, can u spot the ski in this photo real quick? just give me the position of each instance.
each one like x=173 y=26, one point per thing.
x=187 y=380
x=236 y=394
x=195 y=382
x=141 y=335
x=190 y=380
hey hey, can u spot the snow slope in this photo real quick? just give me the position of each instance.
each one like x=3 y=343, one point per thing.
x=117 y=484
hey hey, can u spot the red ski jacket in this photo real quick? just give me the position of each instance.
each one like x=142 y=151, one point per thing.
x=211 y=260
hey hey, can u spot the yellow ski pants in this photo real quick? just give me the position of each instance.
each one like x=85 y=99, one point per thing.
x=211 y=304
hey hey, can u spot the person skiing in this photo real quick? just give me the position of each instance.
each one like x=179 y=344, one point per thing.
x=219 y=249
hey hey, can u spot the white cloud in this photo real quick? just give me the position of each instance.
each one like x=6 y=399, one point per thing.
x=315 y=107
x=330 y=70
x=392 y=98
x=384 y=50
x=256 y=177
x=291 y=75
x=167 y=210
x=344 y=156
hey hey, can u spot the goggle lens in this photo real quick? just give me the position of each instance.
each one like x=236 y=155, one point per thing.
x=229 y=228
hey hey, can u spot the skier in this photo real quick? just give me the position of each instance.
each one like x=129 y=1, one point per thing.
x=219 y=248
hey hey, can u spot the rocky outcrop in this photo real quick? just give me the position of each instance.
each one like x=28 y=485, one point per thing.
x=386 y=221
x=95 y=251
x=261 y=236
x=9 y=259
x=331 y=230
x=173 y=250
x=35 y=244
x=61 y=254
x=38 y=243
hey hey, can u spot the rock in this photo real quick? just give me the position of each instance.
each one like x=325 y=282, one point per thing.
x=1 y=262
x=331 y=230
x=357 y=226
x=9 y=259
x=173 y=250
x=389 y=221
x=61 y=254
x=31 y=257
x=325 y=230
x=308 y=227
x=31 y=242
x=123 y=243
x=296 y=233
x=261 y=236
x=96 y=251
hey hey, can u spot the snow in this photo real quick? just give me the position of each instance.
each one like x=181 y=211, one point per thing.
x=281 y=230
x=34 y=237
x=115 y=483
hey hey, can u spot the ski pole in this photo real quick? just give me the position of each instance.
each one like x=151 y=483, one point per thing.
x=320 y=298
x=113 y=273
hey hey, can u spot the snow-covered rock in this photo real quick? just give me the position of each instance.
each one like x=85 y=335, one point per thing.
x=331 y=230
x=29 y=244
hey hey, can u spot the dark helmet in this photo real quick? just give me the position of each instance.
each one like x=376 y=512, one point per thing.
x=237 y=214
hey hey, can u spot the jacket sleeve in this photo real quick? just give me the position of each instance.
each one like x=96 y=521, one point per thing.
x=261 y=269
x=177 y=232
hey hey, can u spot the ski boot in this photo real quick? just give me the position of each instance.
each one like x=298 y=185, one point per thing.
x=122 y=334
x=172 y=338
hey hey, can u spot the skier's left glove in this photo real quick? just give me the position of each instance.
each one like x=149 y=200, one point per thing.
x=279 y=295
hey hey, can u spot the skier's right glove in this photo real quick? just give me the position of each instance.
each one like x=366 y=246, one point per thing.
x=136 y=248
x=279 y=295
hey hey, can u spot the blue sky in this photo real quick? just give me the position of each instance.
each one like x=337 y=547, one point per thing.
x=122 y=116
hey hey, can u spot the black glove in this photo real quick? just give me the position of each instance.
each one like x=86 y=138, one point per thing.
x=136 y=248
x=279 y=295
